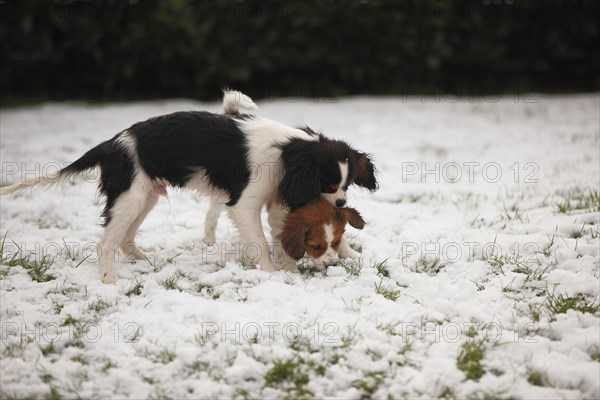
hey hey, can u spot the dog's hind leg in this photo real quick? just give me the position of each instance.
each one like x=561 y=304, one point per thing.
x=122 y=214
x=211 y=220
x=128 y=246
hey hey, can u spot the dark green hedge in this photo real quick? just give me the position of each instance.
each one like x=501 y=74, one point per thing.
x=118 y=49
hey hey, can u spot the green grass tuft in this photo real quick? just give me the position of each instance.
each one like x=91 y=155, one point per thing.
x=563 y=206
x=70 y=320
x=79 y=358
x=594 y=353
x=99 y=305
x=578 y=199
x=108 y=364
x=389 y=292
x=577 y=234
x=158 y=265
x=470 y=358
x=534 y=377
x=54 y=394
x=48 y=349
x=383 y=269
x=560 y=304
x=430 y=267
x=37 y=269
x=356 y=246
x=208 y=290
x=136 y=288
x=166 y=355
x=369 y=383
x=80 y=328
x=288 y=373
x=352 y=267
x=170 y=283
x=512 y=213
x=15 y=349
x=306 y=267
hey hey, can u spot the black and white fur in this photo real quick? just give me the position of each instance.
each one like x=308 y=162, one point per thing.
x=277 y=212
x=238 y=160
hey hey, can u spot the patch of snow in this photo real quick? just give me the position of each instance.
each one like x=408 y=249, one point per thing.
x=467 y=221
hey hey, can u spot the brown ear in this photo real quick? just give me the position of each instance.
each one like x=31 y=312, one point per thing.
x=365 y=172
x=353 y=218
x=292 y=236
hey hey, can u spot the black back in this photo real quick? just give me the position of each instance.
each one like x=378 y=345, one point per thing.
x=175 y=146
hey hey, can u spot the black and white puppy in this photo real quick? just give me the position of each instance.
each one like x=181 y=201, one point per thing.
x=333 y=193
x=239 y=160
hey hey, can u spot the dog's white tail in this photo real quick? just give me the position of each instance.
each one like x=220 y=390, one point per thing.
x=89 y=160
x=49 y=179
x=234 y=100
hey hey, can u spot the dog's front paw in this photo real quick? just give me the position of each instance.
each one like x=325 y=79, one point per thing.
x=269 y=267
x=290 y=266
x=209 y=240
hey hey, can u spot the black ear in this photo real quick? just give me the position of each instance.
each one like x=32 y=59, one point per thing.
x=365 y=172
x=302 y=176
x=292 y=236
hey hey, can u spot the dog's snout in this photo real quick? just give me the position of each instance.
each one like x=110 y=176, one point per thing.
x=340 y=202
x=331 y=258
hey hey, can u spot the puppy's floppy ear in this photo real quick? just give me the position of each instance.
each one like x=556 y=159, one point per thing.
x=292 y=236
x=365 y=171
x=301 y=182
x=353 y=217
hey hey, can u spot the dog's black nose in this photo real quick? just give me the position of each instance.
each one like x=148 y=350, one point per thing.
x=340 y=202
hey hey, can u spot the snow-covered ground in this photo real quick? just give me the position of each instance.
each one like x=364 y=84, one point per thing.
x=479 y=277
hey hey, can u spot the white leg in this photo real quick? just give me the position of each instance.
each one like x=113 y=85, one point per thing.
x=277 y=215
x=211 y=220
x=128 y=246
x=255 y=248
x=124 y=212
x=345 y=251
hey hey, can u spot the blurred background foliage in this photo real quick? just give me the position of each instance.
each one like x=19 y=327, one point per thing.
x=125 y=50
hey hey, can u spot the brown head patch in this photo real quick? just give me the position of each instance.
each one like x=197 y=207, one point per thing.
x=304 y=231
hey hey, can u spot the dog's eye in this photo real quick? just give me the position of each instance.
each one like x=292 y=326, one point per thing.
x=336 y=243
x=317 y=247
x=329 y=188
